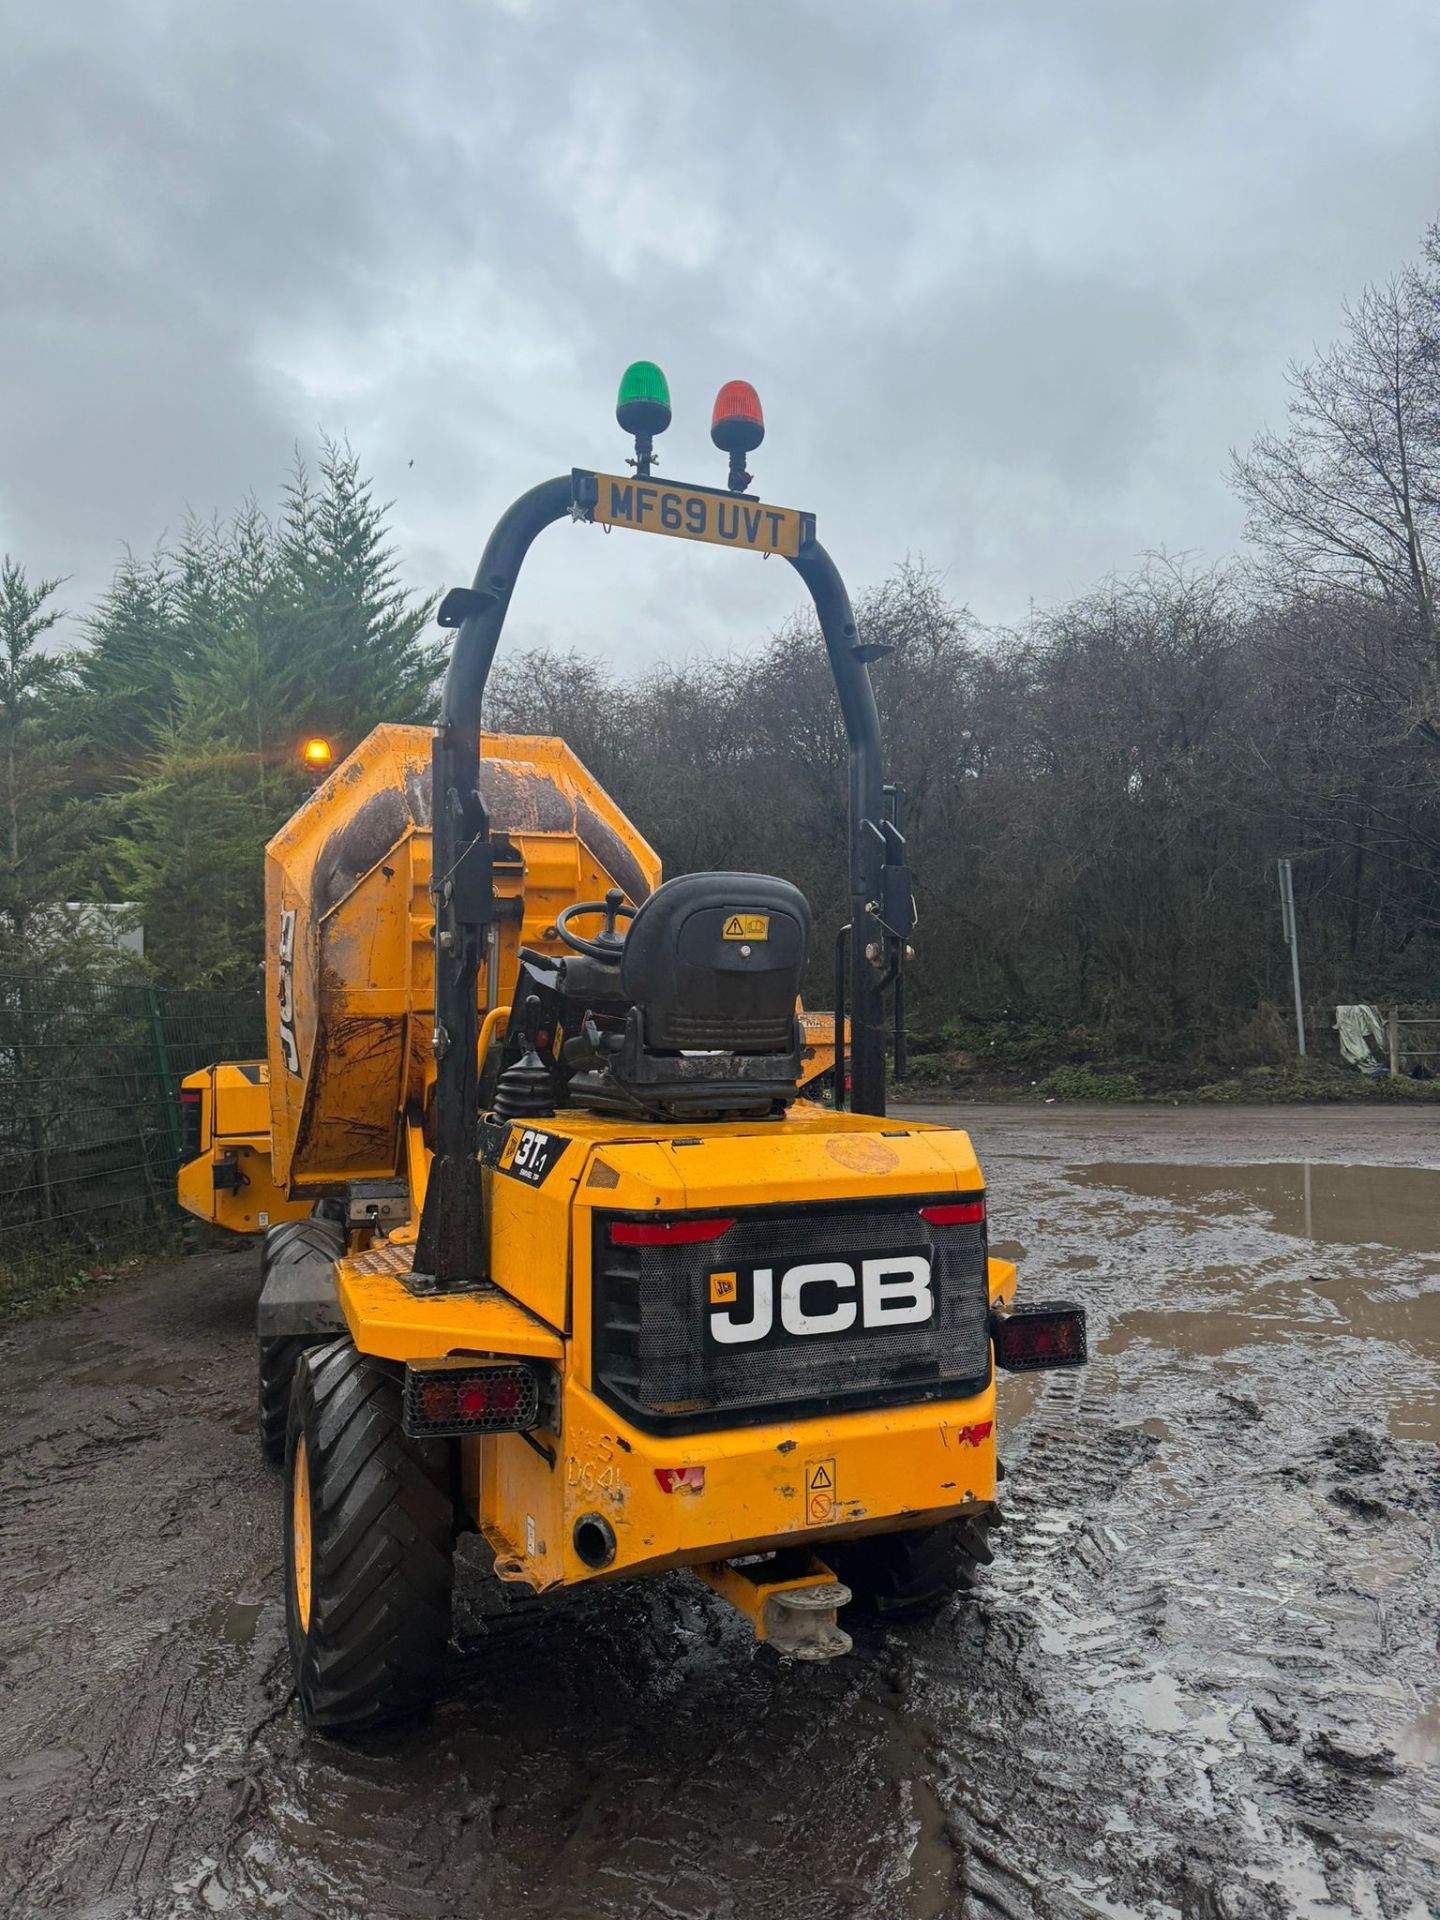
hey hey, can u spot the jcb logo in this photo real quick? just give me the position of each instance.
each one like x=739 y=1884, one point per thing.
x=289 y=1052
x=879 y=1293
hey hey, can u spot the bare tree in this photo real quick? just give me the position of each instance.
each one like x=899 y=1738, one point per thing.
x=1346 y=498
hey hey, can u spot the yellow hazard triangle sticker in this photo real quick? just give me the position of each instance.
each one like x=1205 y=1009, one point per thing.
x=746 y=926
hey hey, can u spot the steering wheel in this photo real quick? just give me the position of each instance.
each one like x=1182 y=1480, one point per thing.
x=607 y=945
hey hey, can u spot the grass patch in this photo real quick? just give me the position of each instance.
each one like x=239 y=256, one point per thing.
x=39 y=1275
x=1086 y=1083
x=1314 y=1080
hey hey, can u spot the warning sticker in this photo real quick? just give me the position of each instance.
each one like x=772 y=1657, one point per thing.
x=819 y=1492
x=747 y=926
x=722 y=1289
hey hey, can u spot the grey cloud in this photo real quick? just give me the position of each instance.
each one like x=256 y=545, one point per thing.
x=1010 y=279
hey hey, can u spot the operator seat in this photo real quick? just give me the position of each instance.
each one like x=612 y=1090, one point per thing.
x=710 y=973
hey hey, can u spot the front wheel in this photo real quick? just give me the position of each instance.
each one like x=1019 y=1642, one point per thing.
x=369 y=1546
x=911 y=1574
x=313 y=1244
x=275 y=1373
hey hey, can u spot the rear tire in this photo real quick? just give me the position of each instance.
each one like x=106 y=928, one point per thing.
x=317 y=1238
x=368 y=1605
x=910 y=1575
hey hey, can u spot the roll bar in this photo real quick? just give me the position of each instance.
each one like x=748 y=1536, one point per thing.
x=451 y=1241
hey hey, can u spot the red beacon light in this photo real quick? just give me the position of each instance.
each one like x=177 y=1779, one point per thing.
x=737 y=427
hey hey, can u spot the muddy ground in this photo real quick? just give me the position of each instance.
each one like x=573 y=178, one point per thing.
x=1201 y=1678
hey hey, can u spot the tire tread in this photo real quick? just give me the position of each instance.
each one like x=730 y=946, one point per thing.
x=910 y=1575
x=383 y=1530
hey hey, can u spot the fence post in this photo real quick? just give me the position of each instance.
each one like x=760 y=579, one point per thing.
x=162 y=1067
x=31 y=1083
x=1392 y=1029
x=1292 y=940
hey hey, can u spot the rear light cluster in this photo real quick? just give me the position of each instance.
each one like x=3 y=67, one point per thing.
x=667 y=1233
x=191 y=1118
x=955 y=1213
x=689 y=1233
x=499 y=1399
x=1051 y=1333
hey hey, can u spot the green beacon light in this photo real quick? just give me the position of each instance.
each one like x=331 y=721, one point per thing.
x=737 y=427
x=643 y=408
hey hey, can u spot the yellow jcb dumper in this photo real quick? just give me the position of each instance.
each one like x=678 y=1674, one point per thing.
x=554 y=1248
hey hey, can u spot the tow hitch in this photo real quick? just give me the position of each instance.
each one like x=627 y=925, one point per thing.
x=790 y=1599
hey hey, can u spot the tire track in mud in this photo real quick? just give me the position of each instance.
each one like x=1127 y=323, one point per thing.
x=118 y=1477
x=1173 y=1694
x=639 y=1757
x=1259 y=1712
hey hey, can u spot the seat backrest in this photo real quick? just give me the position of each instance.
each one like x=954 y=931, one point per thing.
x=714 y=963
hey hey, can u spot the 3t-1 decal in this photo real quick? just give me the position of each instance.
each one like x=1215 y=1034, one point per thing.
x=529 y=1154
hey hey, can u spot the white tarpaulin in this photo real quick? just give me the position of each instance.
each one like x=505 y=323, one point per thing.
x=1357 y=1027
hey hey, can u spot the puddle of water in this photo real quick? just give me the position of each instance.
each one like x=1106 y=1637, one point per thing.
x=1162 y=1705
x=1412 y=1324
x=1392 y=1207
x=1414 y=1416
x=1277 y=1312
x=1016 y=1395
x=232 y=1621
x=1312 y=1200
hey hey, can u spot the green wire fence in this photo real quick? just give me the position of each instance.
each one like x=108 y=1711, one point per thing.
x=90 y=1112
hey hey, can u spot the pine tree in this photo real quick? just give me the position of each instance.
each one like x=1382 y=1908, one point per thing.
x=359 y=631
x=187 y=840
x=126 y=677
x=36 y=825
x=208 y=670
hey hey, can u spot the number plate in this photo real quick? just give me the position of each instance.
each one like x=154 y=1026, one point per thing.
x=690 y=513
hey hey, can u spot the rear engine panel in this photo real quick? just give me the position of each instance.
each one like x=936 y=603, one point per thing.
x=731 y=1378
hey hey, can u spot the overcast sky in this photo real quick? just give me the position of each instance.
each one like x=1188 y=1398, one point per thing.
x=1010 y=278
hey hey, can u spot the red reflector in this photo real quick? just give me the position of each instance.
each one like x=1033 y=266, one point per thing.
x=494 y=1399
x=476 y=1397
x=438 y=1403
x=666 y=1233
x=189 y=1096
x=669 y=1478
x=960 y=1213
x=1040 y=1336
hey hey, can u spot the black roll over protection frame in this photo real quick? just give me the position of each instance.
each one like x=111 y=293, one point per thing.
x=450 y=1245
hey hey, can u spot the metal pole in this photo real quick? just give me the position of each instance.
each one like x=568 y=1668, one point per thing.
x=1287 y=923
x=895 y=794
x=451 y=1244
x=1392 y=1034
x=168 y=1095
x=851 y=675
